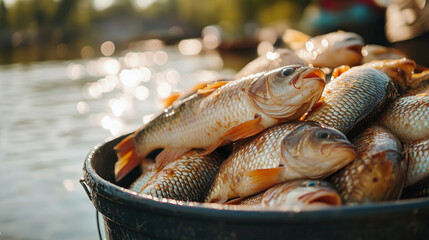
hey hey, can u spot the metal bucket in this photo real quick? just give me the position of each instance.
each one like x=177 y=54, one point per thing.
x=129 y=216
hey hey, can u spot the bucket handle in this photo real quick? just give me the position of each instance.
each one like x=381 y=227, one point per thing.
x=85 y=187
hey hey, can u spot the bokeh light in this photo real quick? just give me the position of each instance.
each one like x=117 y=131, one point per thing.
x=101 y=5
x=211 y=37
x=107 y=48
x=108 y=66
x=142 y=93
x=160 y=57
x=132 y=59
x=87 y=52
x=130 y=77
x=164 y=89
x=143 y=4
x=189 y=47
x=146 y=74
x=82 y=107
x=75 y=71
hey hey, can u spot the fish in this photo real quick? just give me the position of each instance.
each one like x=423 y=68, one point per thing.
x=419 y=83
x=186 y=179
x=371 y=52
x=408 y=117
x=418 y=161
x=148 y=169
x=226 y=112
x=355 y=96
x=378 y=173
x=328 y=50
x=296 y=195
x=271 y=60
x=281 y=153
x=400 y=71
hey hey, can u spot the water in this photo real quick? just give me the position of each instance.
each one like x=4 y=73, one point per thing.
x=53 y=113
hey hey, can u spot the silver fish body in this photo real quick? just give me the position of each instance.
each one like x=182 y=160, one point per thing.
x=378 y=173
x=408 y=117
x=285 y=152
x=271 y=60
x=148 y=170
x=353 y=98
x=328 y=50
x=222 y=113
x=418 y=165
x=186 y=179
x=297 y=195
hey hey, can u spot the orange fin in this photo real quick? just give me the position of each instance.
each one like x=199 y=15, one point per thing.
x=168 y=155
x=215 y=145
x=263 y=179
x=127 y=157
x=240 y=131
x=199 y=86
x=244 y=130
x=211 y=88
x=168 y=101
x=340 y=70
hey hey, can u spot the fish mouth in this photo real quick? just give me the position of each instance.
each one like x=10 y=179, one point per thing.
x=349 y=150
x=304 y=90
x=321 y=198
x=340 y=155
x=340 y=145
x=355 y=48
x=314 y=74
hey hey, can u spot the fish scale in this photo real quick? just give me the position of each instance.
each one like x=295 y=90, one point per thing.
x=296 y=195
x=267 y=152
x=198 y=130
x=223 y=112
x=408 y=117
x=378 y=172
x=315 y=157
x=148 y=170
x=355 y=95
x=418 y=157
x=186 y=179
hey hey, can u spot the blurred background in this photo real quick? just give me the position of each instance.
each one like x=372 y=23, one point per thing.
x=74 y=73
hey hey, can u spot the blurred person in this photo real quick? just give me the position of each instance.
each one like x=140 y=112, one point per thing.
x=330 y=15
x=407 y=27
x=406 y=19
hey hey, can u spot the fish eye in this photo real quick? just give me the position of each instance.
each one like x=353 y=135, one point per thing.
x=287 y=72
x=324 y=135
x=311 y=184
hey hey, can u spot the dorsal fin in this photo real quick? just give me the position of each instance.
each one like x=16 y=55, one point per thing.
x=211 y=88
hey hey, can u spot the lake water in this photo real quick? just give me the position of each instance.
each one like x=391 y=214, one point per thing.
x=53 y=113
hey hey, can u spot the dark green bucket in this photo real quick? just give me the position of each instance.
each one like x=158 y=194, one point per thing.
x=128 y=216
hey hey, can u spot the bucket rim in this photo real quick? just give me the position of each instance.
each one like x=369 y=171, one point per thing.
x=213 y=211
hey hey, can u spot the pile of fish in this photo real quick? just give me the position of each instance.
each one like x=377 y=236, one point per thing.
x=326 y=122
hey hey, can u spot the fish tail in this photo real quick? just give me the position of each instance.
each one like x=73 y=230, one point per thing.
x=128 y=158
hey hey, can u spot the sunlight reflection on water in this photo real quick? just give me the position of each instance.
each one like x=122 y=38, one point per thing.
x=55 y=112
